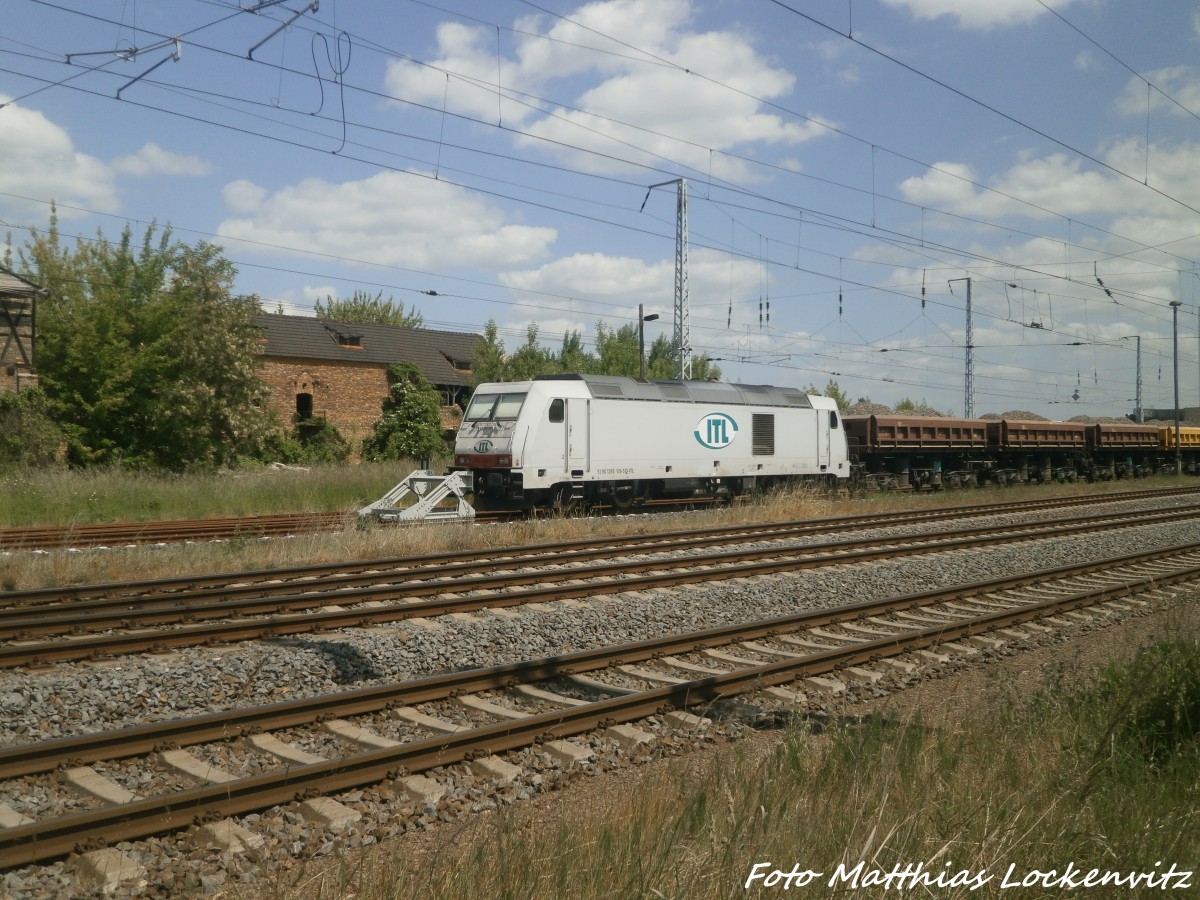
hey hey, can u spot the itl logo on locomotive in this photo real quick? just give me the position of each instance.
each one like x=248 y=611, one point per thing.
x=716 y=430
x=483 y=447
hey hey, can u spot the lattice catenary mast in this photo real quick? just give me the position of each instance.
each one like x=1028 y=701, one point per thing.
x=682 y=338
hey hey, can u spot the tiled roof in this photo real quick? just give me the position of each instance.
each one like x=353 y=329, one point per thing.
x=443 y=357
x=11 y=283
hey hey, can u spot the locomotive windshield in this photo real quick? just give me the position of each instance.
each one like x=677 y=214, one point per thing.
x=494 y=407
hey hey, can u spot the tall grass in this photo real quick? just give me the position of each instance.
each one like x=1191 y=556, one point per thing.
x=80 y=497
x=60 y=496
x=1084 y=776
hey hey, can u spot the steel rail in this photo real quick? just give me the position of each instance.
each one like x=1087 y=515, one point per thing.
x=669 y=573
x=45 y=756
x=103 y=613
x=316 y=570
x=175 y=593
x=60 y=836
x=51 y=536
x=99 y=614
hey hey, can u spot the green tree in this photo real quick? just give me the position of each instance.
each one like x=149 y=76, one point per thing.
x=572 y=357
x=662 y=361
x=410 y=425
x=530 y=360
x=362 y=308
x=616 y=354
x=146 y=356
x=489 y=357
x=617 y=349
x=833 y=391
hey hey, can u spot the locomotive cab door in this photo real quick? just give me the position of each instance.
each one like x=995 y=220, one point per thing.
x=577 y=442
x=823 y=439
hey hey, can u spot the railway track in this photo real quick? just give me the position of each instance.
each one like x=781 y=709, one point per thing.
x=155 y=532
x=122 y=533
x=276 y=579
x=108 y=622
x=473 y=715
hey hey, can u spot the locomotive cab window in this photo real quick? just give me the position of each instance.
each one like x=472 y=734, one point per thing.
x=494 y=407
x=557 y=410
x=833 y=420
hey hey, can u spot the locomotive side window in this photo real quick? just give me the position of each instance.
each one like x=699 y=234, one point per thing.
x=491 y=407
x=833 y=420
x=762 y=426
x=557 y=410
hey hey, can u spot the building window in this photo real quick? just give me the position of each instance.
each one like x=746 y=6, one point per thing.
x=304 y=406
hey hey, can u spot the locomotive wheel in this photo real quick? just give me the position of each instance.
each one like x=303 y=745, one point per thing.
x=623 y=495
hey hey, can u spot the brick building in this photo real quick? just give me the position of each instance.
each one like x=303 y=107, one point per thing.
x=337 y=371
x=18 y=306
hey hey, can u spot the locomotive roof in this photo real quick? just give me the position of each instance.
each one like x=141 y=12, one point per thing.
x=620 y=387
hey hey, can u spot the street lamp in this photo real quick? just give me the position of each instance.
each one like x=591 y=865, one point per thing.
x=642 y=320
x=1175 y=304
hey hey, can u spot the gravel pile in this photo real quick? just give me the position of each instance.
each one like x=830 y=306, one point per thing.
x=73 y=699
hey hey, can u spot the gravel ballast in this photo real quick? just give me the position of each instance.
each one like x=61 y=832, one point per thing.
x=84 y=698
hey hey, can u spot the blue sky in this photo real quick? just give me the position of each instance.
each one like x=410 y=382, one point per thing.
x=849 y=164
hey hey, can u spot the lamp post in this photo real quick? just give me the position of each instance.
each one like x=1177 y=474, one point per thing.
x=642 y=320
x=1175 y=304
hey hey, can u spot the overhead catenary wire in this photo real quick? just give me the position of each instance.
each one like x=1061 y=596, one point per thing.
x=813 y=271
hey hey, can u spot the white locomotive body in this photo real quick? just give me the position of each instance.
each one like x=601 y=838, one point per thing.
x=585 y=439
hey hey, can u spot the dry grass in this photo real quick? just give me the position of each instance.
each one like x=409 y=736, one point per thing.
x=24 y=570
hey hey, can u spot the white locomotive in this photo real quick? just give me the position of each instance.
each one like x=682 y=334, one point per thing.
x=563 y=440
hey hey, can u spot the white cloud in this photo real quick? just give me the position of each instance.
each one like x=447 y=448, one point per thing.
x=152 y=159
x=1178 y=83
x=977 y=14
x=40 y=161
x=599 y=277
x=313 y=293
x=1056 y=185
x=946 y=186
x=243 y=196
x=615 y=285
x=392 y=218
x=622 y=103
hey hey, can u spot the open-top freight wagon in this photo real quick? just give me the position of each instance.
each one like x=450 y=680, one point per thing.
x=926 y=452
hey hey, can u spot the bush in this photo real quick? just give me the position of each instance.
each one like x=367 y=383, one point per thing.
x=28 y=434
x=311 y=442
x=322 y=442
